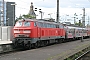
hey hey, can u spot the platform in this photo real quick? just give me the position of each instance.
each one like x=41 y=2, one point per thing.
x=5 y=42
x=5 y=46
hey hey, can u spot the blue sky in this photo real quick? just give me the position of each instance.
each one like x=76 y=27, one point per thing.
x=67 y=7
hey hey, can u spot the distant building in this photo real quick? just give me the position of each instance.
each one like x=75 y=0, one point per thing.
x=1 y=12
x=10 y=13
x=31 y=12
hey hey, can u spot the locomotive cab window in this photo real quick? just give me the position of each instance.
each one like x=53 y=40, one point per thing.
x=26 y=23
x=35 y=24
x=19 y=23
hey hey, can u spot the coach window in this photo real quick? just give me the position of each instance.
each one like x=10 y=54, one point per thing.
x=69 y=31
x=35 y=24
x=84 y=31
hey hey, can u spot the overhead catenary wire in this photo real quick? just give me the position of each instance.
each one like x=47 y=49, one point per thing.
x=24 y=2
x=22 y=8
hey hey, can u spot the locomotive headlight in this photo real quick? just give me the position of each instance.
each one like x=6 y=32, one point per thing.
x=16 y=31
x=26 y=31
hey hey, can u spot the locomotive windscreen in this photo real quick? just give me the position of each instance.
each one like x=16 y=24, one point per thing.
x=19 y=23
x=22 y=23
x=26 y=23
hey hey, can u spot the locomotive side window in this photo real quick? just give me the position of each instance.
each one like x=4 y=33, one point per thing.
x=60 y=26
x=39 y=24
x=35 y=24
x=19 y=23
x=26 y=23
x=45 y=25
x=57 y=26
x=48 y=25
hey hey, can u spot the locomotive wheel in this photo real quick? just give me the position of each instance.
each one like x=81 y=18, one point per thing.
x=28 y=46
x=36 y=45
x=42 y=43
x=45 y=43
x=15 y=45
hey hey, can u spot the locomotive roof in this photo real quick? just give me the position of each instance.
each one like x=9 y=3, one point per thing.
x=40 y=20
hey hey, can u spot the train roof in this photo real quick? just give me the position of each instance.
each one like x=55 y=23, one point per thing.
x=73 y=27
x=39 y=20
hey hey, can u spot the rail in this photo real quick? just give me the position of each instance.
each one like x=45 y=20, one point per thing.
x=79 y=54
x=82 y=55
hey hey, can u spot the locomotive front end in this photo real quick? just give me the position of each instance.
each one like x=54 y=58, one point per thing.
x=22 y=31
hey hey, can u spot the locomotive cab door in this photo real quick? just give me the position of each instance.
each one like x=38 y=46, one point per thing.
x=38 y=29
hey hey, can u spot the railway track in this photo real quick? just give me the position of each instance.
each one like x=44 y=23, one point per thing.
x=20 y=49
x=84 y=56
x=81 y=55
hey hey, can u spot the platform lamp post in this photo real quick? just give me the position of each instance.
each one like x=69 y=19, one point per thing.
x=83 y=23
x=82 y=31
x=13 y=13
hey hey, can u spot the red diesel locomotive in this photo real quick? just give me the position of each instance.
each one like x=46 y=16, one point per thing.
x=34 y=33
